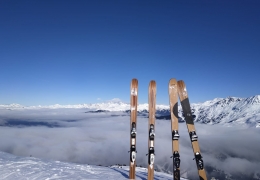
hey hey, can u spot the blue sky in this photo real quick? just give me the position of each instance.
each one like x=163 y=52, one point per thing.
x=71 y=52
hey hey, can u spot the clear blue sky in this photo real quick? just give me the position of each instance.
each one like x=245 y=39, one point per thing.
x=71 y=52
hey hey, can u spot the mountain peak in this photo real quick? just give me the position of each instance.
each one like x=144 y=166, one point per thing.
x=253 y=99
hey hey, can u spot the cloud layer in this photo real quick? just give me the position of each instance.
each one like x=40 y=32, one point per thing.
x=103 y=138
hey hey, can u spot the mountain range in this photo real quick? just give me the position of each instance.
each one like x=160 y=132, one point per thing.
x=226 y=111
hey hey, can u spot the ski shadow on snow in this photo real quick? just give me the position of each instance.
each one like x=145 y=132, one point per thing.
x=155 y=178
x=125 y=173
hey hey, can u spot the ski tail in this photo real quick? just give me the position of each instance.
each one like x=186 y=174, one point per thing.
x=173 y=96
x=133 y=120
x=151 y=129
x=183 y=95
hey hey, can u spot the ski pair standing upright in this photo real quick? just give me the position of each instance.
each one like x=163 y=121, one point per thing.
x=175 y=89
x=151 y=127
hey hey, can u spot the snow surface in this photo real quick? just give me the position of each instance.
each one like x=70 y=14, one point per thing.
x=24 y=168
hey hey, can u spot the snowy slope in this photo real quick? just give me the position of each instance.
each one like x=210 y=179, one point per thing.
x=13 y=167
x=229 y=111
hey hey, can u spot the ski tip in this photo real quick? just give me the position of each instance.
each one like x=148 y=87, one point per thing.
x=182 y=91
x=152 y=87
x=152 y=83
x=172 y=83
x=172 y=80
x=134 y=80
x=134 y=83
x=181 y=82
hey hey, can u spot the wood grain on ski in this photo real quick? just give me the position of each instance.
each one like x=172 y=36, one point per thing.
x=183 y=94
x=133 y=119
x=173 y=96
x=152 y=109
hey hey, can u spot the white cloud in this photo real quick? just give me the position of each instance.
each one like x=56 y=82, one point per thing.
x=103 y=138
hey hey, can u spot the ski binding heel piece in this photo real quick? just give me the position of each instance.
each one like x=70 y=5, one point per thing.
x=133 y=156
x=199 y=160
x=151 y=157
x=176 y=160
x=132 y=153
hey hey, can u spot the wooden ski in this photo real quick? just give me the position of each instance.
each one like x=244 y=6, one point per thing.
x=173 y=96
x=151 y=129
x=133 y=119
x=183 y=95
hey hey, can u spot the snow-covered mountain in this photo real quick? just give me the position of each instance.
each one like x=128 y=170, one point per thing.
x=106 y=106
x=230 y=110
x=227 y=111
x=14 y=167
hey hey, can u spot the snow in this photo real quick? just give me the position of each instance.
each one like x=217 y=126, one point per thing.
x=229 y=111
x=72 y=133
x=113 y=105
x=24 y=168
x=226 y=111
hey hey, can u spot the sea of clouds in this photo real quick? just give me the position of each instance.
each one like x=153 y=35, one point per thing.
x=79 y=136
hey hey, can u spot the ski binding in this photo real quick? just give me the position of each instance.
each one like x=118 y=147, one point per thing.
x=175 y=135
x=193 y=136
x=151 y=157
x=133 y=130
x=176 y=159
x=133 y=156
x=151 y=132
x=199 y=160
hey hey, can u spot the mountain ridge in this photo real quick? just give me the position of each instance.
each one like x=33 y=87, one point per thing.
x=228 y=111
